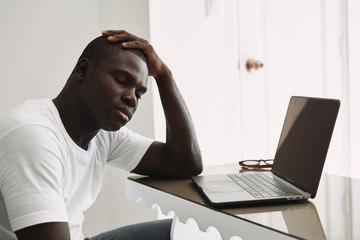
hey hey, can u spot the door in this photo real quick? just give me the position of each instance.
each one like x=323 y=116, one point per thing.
x=302 y=45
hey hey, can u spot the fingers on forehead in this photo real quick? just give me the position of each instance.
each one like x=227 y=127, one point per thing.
x=142 y=45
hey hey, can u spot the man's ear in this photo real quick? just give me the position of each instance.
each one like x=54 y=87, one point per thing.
x=82 y=68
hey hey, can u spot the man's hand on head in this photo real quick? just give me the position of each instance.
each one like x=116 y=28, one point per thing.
x=155 y=64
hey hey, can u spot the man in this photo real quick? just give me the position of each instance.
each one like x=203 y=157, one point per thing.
x=53 y=153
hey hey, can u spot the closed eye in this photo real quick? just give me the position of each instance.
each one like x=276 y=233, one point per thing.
x=120 y=80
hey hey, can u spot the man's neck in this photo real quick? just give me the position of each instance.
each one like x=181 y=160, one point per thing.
x=75 y=121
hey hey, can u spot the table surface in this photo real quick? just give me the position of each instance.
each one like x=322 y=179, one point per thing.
x=331 y=215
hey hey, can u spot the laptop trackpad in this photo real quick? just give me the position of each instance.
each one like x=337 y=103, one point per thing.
x=222 y=187
x=225 y=191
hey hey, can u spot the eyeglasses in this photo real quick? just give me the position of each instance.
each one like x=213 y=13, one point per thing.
x=257 y=163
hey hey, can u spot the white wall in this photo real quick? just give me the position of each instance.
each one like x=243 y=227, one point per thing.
x=40 y=44
x=354 y=85
x=202 y=52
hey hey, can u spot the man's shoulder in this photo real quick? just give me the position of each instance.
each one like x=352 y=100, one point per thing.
x=31 y=112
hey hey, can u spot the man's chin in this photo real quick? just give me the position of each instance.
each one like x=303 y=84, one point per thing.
x=114 y=127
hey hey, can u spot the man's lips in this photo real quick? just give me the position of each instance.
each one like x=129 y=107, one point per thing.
x=124 y=114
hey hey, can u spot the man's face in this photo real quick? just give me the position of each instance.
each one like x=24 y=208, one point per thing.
x=113 y=89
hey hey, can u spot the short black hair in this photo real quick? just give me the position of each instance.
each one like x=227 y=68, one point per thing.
x=100 y=48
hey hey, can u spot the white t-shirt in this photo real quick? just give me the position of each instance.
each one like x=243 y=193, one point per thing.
x=46 y=177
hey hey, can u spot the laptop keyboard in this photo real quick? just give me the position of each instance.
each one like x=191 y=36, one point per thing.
x=260 y=185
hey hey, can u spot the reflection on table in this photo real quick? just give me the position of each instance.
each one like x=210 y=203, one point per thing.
x=298 y=219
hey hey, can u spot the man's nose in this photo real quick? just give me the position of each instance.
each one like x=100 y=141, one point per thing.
x=129 y=98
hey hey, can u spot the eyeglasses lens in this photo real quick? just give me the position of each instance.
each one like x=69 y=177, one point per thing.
x=251 y=163
x=269 y=162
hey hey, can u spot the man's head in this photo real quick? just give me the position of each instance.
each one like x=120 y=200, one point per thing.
x=100 y=48
x=109 y=82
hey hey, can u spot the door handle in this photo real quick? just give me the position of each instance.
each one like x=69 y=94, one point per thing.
x=253 y=65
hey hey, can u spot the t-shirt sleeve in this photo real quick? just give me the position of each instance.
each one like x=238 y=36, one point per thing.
x=126 y=149
x=31 y=172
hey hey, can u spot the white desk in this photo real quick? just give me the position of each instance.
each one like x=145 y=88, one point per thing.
x=331 y=215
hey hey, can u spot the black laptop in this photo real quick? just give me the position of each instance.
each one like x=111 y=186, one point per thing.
x=298 y=162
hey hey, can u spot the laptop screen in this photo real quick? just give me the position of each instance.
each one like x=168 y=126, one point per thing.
x=305 y=140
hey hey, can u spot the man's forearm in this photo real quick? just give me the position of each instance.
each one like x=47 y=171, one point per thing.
x=181 y=141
